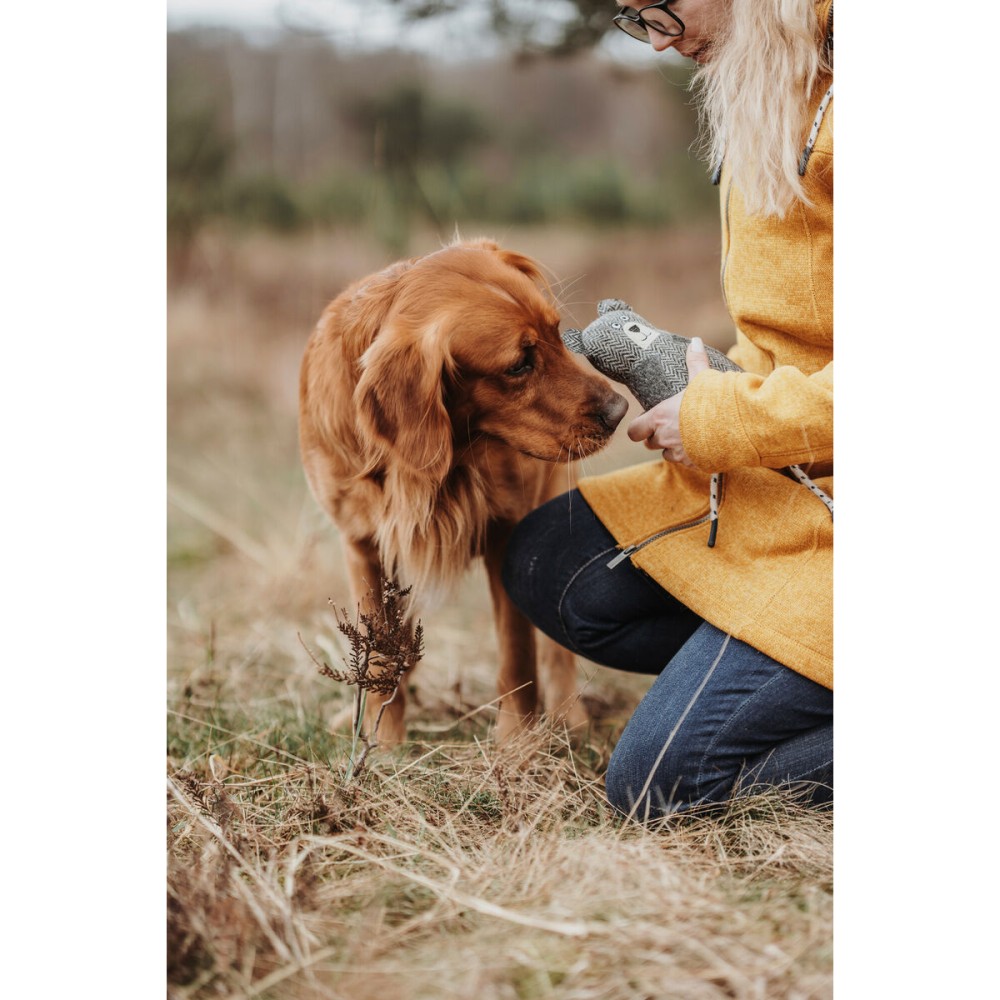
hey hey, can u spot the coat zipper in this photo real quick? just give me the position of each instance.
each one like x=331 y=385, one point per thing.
x=632 y=549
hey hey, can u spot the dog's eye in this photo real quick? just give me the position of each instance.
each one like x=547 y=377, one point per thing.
x=525 y=365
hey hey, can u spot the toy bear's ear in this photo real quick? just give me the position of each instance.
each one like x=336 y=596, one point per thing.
x=573 y=339
x=612 y=305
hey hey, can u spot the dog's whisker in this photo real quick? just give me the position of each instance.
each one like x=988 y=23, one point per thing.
x=583 y=458
x=566 y=283
x=563 y=288
x=569 y=306
x=569 y=485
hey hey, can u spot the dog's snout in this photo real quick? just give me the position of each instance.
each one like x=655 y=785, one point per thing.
x=611 y=410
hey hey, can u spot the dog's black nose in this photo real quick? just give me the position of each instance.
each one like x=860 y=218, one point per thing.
x=611 y=411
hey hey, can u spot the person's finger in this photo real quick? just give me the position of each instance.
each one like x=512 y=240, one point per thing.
x=640 y=428
x=697 y=357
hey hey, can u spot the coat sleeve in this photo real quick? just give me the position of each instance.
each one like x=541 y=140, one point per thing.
x=734 y=419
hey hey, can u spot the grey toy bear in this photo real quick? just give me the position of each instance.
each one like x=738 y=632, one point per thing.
x=652 y=364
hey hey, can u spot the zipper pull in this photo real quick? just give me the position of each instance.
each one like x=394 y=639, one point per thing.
x=713 y=507
x=622 y=556
x=712 y=532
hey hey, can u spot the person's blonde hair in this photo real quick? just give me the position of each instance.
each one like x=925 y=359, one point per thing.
x=754 y=97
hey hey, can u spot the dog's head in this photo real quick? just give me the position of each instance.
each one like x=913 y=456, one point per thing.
x=469 y=347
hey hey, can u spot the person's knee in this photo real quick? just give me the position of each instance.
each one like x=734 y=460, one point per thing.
x=521 y=565
x=637 y=774
x=617 y=784
x=541 y=552
x=583 y=617
x=554 y=571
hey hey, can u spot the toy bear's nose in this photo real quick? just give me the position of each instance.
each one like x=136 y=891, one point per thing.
x=611 y=410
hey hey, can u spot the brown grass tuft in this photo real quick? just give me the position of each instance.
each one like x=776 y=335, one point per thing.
x=463 y=866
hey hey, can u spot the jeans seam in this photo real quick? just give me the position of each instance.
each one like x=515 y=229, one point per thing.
x=792 y=778
x=818 y=767
x=562 y=596
x=724 y=728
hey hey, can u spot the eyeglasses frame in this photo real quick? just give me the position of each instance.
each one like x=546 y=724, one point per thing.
x=635 y=17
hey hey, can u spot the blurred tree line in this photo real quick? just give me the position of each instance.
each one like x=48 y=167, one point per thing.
x=292 y=132
x=525 y=26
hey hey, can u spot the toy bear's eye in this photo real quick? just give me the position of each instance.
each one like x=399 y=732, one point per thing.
x=616 y=326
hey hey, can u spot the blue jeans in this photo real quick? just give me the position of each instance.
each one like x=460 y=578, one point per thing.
x=721 y=718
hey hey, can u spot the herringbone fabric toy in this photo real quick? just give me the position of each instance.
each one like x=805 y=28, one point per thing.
x=652 y=364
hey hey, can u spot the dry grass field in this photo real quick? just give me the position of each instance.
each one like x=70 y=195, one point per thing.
x=450 y=868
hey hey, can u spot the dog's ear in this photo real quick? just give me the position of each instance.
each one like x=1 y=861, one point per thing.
x=399 y=401
x=524 y=264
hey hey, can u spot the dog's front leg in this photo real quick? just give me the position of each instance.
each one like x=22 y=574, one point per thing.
x=517 y=683
x=557 y=665
x=561 y=697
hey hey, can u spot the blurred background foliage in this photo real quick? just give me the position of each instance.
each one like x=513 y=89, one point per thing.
x=553 y=28
x=290 y=130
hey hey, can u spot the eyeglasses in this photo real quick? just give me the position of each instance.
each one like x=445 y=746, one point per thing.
x=656 y=17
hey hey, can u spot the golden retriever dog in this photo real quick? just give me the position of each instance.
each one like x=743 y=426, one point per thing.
x=438 y=406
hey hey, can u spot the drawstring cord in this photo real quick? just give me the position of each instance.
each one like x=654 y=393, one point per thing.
x=809 y=484
x=715 y=487
x=810 y=142
x=814 y=131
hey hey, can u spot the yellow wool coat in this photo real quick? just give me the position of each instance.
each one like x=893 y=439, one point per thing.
x=768 y=580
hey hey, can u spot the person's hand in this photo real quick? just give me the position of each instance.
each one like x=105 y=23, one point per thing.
x=660 y=426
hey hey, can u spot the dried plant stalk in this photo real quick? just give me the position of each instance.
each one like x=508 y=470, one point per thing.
x=384 y=647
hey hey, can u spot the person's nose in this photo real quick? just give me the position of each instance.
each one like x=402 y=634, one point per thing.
x=660 y=41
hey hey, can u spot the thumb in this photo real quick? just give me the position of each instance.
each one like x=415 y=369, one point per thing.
x=697 y=357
